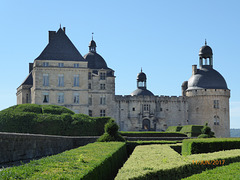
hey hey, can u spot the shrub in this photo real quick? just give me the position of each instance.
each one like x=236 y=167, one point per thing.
x=93 y=161
x=206 y=132
x=111 y=133
x=151 y=134
x=192 y=130
x=174 y=129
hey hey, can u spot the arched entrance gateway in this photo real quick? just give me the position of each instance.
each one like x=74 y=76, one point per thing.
x=146 y=124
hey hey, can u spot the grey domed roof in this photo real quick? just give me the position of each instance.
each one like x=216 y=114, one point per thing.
x=207 y=78
x=95 y=61
x=142 y=91
x=141 y=76
x=205 y=51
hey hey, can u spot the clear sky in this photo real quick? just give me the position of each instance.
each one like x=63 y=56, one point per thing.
x=162 y=37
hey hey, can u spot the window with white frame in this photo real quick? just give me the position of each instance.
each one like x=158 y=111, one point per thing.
x=102 y=112
x=76 y=80
x=76 y=98
x=60 y=97
x=45 y=80
x=60 y=80
x=216 y=120
x=60 y=64
x=76 y=65
x=216 y=104
x=102 y=86
x=45 y=96
x=45 y=64
x=102 y=75
x=103 y=100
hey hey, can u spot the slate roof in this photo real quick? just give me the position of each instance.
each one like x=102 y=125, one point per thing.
x=207 y=78
x=28 y=80
x=142 y=91
x=95 y=61
x=60 y=47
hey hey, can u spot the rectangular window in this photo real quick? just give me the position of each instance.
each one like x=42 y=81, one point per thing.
x=90 y=100
x=102 y=86
x=90 y=113
x=76 y=80
x=76 y=98
x=146 y=107
x=89 y=75
x=103 y=100
x=76 y=65
x=102 y=76
x=60 y=64
x=102 y=112
x=89 y=86
x=60 y=80
x=45 y=80
x=216 y=104
x=45 y=64
x=60 y=97
x=46 y=97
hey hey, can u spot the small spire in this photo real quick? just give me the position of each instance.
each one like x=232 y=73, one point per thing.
x=205 y=42
x=60 y=26
x=141 y=69
x=92 y=35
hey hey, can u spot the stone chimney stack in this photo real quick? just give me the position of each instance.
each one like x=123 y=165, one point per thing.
x=30 y=67
x=194 y=69
x=51 y=34
x=64 y=30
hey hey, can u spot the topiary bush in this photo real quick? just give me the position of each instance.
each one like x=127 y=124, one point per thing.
x=111 y=133
x=206 y=132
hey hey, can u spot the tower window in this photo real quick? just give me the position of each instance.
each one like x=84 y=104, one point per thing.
x=89 y=75
x=76 y=80
x=90 y=100
x=102 y=76
x=102 y=86
x=103 y=100
x=102 y=112
x=45 y=80
x=60 y=64
x=146 y=107
x=89 y=86
x=60 y=97
x=45 y=97
x=216 y=120
x=216 y=104
x=133 y=109
x=60 y=80
x=90 y=113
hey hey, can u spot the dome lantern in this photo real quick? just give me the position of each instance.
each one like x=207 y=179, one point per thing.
x=205 y=53
x=142 y=80
x=92 y=45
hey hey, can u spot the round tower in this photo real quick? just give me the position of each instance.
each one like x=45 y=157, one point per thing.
x=208 y=95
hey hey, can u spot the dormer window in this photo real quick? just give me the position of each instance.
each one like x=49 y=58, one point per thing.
x=102 y=75
x=45 y=64
x=60 y=64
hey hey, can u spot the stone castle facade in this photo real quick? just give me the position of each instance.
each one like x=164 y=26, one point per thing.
x=60 y=75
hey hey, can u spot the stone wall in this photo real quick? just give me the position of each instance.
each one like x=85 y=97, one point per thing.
x=17 y=146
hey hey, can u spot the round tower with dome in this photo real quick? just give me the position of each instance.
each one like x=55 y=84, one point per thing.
x=208 y=95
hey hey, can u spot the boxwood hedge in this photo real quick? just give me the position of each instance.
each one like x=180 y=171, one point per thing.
x=50 y=120
x=93 y=161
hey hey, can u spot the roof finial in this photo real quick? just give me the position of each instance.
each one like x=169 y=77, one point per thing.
x=92 y=35
x=141 y=69
x=205 y=42
x=60 y=26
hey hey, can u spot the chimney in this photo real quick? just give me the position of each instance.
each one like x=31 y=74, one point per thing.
x=51 y=35
x=64 y=30
x=30 y=67
x=194 y=69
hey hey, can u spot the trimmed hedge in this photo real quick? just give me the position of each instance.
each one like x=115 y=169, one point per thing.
x=151 y=134
x=50 y=120
x=197 y=146
x=192 y=130
x=162 y=162
x=174 y=129
x=93 y=161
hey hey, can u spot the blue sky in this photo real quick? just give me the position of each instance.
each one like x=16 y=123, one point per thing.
x=162 y=37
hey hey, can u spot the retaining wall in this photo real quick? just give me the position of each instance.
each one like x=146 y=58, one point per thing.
x=18 y=146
